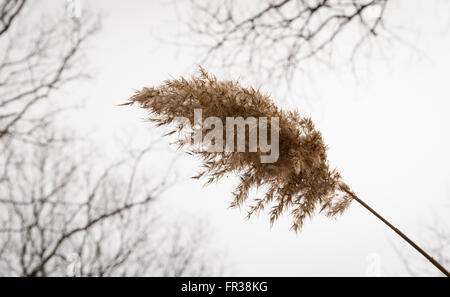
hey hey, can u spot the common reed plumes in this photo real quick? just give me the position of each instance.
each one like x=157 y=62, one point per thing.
x=299 y=182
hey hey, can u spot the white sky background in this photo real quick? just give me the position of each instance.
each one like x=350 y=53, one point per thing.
x=388 y=134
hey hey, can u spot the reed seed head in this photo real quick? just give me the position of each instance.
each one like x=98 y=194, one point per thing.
x=299 y=182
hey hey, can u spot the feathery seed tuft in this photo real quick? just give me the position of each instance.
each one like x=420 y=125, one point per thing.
x=299 y=182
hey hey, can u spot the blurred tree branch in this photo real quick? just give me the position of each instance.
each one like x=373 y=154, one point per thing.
x=273 y=38
x=56 y=204
x=63 y=209
x=9 y=10
x=35 y=62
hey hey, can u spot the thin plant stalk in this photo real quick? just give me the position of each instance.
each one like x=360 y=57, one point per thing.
x=299 y=182
x=396 y=230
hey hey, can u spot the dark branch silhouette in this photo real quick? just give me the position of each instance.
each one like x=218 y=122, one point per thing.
x=9 y=10
x=64 y=210
x=34 y=63
x=273 y=38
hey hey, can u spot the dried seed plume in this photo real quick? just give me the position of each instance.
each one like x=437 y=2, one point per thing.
x=300 y=182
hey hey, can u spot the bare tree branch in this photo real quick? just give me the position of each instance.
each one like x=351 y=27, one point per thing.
x=34 y=65
x=9 y=10
x=62 y=211
x=274 y=38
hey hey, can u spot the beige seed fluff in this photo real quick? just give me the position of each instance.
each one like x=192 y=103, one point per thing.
x=299 y=182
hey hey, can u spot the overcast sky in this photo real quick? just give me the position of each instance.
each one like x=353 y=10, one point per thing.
x=387 y=129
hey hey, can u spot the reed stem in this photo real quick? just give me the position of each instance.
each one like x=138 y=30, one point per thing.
x=402 y=235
